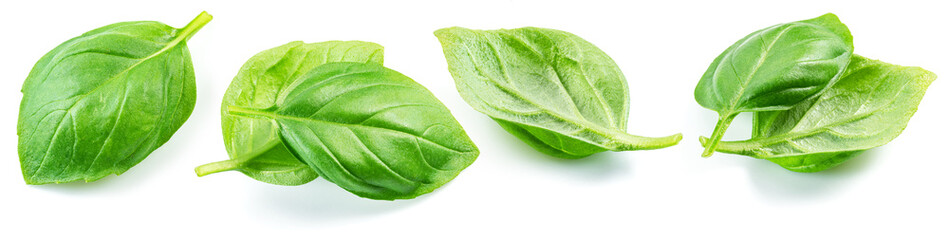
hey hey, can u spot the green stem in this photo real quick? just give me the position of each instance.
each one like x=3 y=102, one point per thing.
x=649 y=143
x=217 y=167
x=195 y=25
x=723 y=121
x=235 y=163
x=735 y=147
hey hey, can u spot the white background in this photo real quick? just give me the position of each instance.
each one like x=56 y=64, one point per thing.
x=898 y=191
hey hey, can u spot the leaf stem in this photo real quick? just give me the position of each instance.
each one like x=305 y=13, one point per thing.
x=216 y=167
x=735 y=147
x=723 y=121
x=235 y=163
x=195 y=25
x=649 y=143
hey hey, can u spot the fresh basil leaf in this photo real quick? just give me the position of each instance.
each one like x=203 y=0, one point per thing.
x=99 y=103
x=868 y=107
x=370 y=130
x=774 y=69
x=555 y=91
x=253 y=143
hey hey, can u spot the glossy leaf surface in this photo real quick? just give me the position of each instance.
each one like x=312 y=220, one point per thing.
x=773 y=69
x=252 y=143
x=99 y=103
x=370 y=130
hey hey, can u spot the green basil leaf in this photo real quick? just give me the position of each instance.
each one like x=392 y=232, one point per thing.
x=553 y=90
x=868 y=107
x=773 y=69
x=253 y=143
x=370 y=130
x=99 y=103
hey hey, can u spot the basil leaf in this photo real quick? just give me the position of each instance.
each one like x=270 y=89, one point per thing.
x=99 y=103
x=253 y=143
x=370 y=130
x=774 y=69
x=868 y=107
x=555 y=91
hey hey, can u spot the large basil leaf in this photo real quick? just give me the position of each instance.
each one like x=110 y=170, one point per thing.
x=553 y=90
x=370 y=130
x=773 y=69
x=253 y=143
x=99 y=103
x=868 y=107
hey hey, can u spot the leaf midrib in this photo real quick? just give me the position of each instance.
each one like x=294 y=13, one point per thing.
x=578 y=122
x=817 y=129
x=275 y=116
x=172 y=44
x=744 y=86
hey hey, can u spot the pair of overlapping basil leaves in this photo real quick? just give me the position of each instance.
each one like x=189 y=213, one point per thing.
x=331 y=109
x=815 y=103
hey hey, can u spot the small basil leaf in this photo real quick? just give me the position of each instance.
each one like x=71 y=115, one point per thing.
x=253 y=143
x=99 y=103
x=553 y=90
x=370 y=130
x=773 y=69
x=868 y=107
